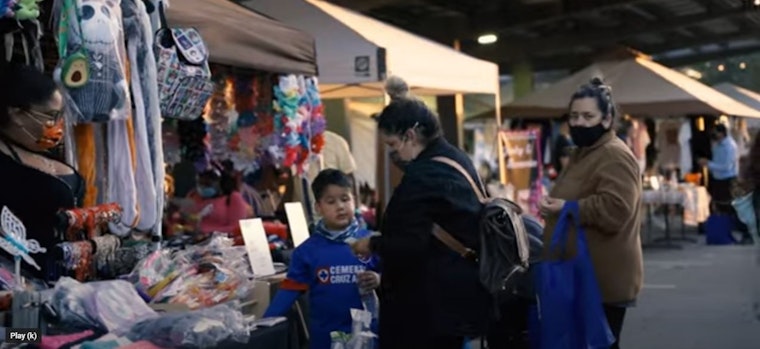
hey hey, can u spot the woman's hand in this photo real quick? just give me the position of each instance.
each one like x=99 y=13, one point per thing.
x=361 y=248
x=549 y=206
x=368 y=280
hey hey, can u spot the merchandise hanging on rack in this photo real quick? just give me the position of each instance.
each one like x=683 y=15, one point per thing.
x=218 y=113
x=20 y=29
x=254 y=122
x=299 y=122
x=146 y=116
x=93 y=60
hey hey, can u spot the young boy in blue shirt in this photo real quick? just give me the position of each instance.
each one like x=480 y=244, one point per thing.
x=325 y=266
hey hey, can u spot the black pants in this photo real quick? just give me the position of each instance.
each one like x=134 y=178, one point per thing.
x=615 y=316
x=511 y=330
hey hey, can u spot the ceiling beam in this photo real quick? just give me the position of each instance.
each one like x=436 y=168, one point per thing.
x=523 y=16
x=596 y=38
x=705 y=57
x=699 y=41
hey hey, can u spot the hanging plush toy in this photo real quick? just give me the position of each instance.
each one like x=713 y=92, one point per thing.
x=93 y=60
x=27 y=9
x=6 y=8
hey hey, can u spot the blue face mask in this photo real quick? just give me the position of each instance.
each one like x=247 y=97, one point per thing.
x=207 y=192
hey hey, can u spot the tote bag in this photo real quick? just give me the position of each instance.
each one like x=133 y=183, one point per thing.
x=569 y=302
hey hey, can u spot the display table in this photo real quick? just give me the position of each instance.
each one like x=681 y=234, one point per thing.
x=276 y=337
x=691 y=202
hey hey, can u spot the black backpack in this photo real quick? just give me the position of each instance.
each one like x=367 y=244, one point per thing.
x=504 y=254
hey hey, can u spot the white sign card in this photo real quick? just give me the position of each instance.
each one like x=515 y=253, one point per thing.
x=257 y=246
x=299 y=229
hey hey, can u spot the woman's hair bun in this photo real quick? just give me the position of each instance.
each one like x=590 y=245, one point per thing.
x=597 y=81
x=396 y=88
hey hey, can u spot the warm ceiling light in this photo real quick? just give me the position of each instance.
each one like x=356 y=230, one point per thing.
x=490 y=38
x=743 y=65
x=757 y=2
x=721 y=67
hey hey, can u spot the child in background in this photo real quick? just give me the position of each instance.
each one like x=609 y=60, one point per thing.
x=325 y=265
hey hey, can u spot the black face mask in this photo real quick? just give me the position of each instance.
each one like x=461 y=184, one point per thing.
x=396 y=160
x=587 y=136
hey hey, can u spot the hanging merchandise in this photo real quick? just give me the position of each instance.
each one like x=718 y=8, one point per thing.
x=93 y=60
x=6 y=8
x=146 y=117
x=298 y=121
x=25 y=10
x=19 y=26
x=183 y=71
x=253 y=103
x=219 y=111
x=244 y=137
x=288 y=121
x=317 y=122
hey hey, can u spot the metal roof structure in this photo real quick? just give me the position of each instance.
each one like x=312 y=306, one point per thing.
x=569 y=34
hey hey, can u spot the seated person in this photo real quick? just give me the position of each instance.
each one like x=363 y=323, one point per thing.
x=325 y=266
x=215 y=205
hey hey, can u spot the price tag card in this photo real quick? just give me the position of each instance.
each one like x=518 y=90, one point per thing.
x=299 y=229
x=257 y=246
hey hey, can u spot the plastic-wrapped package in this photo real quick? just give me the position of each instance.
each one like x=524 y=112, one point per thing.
x=113 y=306
x=200 y=276
x=361 y=337
x=206 y=328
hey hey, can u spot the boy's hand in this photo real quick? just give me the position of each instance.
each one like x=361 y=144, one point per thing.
x=368 y=280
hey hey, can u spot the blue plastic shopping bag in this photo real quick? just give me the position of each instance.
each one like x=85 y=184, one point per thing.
x=569 y=302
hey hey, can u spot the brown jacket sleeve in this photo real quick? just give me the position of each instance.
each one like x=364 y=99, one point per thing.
x=612 y=205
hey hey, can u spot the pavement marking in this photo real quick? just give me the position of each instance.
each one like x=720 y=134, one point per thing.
x=659 y=286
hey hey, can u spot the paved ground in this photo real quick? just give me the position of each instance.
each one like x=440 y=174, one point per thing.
x=699 y=297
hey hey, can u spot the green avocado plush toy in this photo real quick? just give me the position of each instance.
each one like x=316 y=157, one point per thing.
x=27 y=9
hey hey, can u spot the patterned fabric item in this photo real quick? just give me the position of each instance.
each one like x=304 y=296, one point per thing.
x=94 y=31
x=184 y=77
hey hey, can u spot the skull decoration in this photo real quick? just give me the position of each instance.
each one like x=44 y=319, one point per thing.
x=100 y=20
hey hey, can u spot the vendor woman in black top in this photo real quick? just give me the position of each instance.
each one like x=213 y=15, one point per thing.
x=34 y=185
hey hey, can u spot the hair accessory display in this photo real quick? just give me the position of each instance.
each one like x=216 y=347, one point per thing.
x=299 y=122
x=217 y=114
x=15 y=243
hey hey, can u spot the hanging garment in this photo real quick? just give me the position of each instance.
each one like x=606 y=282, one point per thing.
x=121 y=175
x=91 y=71
x=667 y=143
x=27 y=33
x=684 y=139
x=136 y=26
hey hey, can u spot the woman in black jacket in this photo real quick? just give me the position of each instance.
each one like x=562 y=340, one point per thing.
x=34 y=185
x=431 y=297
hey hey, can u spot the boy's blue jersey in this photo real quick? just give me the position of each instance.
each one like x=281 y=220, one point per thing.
x=328 y=270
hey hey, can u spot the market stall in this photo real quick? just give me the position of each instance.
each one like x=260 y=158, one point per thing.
x=123 y=67
x=357 y=53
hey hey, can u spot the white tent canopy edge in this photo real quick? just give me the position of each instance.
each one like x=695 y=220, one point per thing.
x=355 y=53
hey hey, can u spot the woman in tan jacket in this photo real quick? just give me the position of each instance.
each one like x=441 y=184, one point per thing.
x=603 y=176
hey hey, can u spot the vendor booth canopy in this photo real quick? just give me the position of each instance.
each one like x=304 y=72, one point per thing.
x=749 y=98
x=239 y=37
x=356 y=53
x=640 y=86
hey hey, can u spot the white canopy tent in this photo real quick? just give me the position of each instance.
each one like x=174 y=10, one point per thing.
x=640 y=86
x=355 y=53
